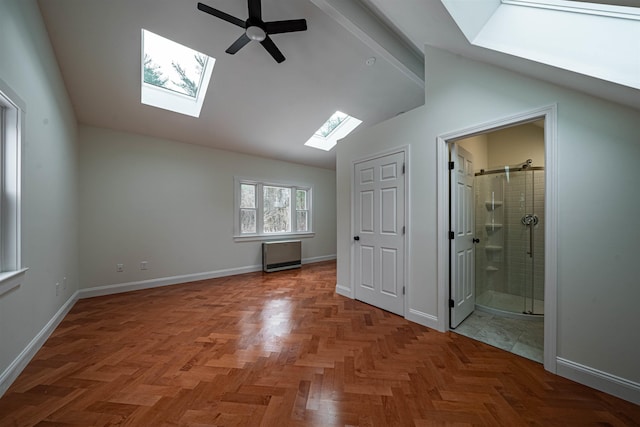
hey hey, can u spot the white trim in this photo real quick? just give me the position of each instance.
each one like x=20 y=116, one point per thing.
x=185 y=278
x=163 y=281
x=422 y=318
x=22 y=360
x=603 y=381
x=549 y=113
x=12 y=131
x=406 y=150
x=551 y=168
x=11 y=279
x=315 y=259
x=609 y=10
x=345 y=291
x=271 y=237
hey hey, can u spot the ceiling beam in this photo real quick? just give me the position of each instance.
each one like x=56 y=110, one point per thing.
x=370 y=30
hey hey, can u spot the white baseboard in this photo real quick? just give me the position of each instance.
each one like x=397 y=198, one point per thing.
x=344 y=291
x=163 y=281
x=174 y=280
x=319 y=259
x=424 y=319
x=19 y=363
x=605 y=382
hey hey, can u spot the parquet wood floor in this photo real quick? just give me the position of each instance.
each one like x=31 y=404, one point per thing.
x=281 y=349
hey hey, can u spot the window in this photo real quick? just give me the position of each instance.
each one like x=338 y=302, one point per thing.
x=269 y=209
x=336 y=127
x=11 y=122
x=174 y=77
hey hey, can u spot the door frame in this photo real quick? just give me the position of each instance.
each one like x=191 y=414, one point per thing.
x=407 y=205
x=549 y=114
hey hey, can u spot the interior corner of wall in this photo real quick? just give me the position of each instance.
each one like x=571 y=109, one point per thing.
x=471 y=17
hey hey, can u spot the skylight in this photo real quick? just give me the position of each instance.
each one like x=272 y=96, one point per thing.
x=597 y=38
x=336 y=127
x=174 y=77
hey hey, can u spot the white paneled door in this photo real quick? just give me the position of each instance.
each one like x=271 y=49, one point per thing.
x=463 y=295
x=379 y=212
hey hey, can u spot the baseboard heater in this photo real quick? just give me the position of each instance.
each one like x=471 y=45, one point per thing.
x=281 y=255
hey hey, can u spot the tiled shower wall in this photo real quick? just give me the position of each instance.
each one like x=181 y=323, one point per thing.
x=503 y=262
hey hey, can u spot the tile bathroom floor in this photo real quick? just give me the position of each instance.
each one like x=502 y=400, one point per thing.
x=519 y=336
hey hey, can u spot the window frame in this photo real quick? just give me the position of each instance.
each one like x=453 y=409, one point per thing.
x=259 y=209
x=171 y=100
x=12 y=112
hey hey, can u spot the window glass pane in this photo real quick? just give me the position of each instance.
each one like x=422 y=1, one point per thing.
x=301 y=221
x=172 y=66
x=331 y=124
x=247 y=220
x=247 y=196
x=277 y=209
x=301 y=199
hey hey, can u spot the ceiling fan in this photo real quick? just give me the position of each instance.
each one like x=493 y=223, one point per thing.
x=256 y=29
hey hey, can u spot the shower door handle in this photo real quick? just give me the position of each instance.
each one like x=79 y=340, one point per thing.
x=529 y=220
x=530 y=240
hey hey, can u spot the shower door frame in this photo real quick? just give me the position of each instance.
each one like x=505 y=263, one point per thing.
x=527 y=297
x=549 y=114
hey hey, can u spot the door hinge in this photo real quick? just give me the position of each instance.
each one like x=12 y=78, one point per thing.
x=404 y=168
x=452 y=303
x=403 y=290
x=452 y=235
x=452 y=166
x=404 y=229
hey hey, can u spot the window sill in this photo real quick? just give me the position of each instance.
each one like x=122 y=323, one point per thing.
x=265 y=237
x=10 y=280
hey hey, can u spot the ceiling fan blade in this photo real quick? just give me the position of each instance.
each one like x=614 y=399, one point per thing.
x=255 y=10
x=219 y=14
x=238 y=44
x=272 y=49
x=290 y=26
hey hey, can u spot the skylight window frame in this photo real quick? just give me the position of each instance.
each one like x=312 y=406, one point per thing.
x=327 y=143
x=170 y=99
x=599 y=9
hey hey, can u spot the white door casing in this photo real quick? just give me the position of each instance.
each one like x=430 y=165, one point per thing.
x=379 y=213
x=462 y=244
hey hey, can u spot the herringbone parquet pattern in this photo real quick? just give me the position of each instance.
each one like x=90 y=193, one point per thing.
x=281 y=349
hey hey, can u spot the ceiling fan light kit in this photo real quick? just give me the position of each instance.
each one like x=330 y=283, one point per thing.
x=256 y=29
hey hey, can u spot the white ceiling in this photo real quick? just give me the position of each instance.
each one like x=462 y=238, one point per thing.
x=255 y=105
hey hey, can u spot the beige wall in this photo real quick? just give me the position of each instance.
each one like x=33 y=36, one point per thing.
x=506 y=147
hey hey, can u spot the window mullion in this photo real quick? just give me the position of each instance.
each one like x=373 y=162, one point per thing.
x=259 y=209
x=294 y=209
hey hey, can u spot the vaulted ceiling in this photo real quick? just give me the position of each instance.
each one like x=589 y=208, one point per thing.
x=255 y=105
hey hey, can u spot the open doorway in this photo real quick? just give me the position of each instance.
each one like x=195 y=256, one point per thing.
x=549 y=114
x=498 y=292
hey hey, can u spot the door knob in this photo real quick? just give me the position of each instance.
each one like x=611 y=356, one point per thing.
x=356 y=238
x=476 y=240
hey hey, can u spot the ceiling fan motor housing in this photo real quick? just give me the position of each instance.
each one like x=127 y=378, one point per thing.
x=256 y=29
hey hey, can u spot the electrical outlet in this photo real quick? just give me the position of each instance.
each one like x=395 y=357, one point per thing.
x=143 y=265
x=57 y=289
x=119 y=268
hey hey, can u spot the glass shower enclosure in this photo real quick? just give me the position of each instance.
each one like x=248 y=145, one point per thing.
x=510 y=225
